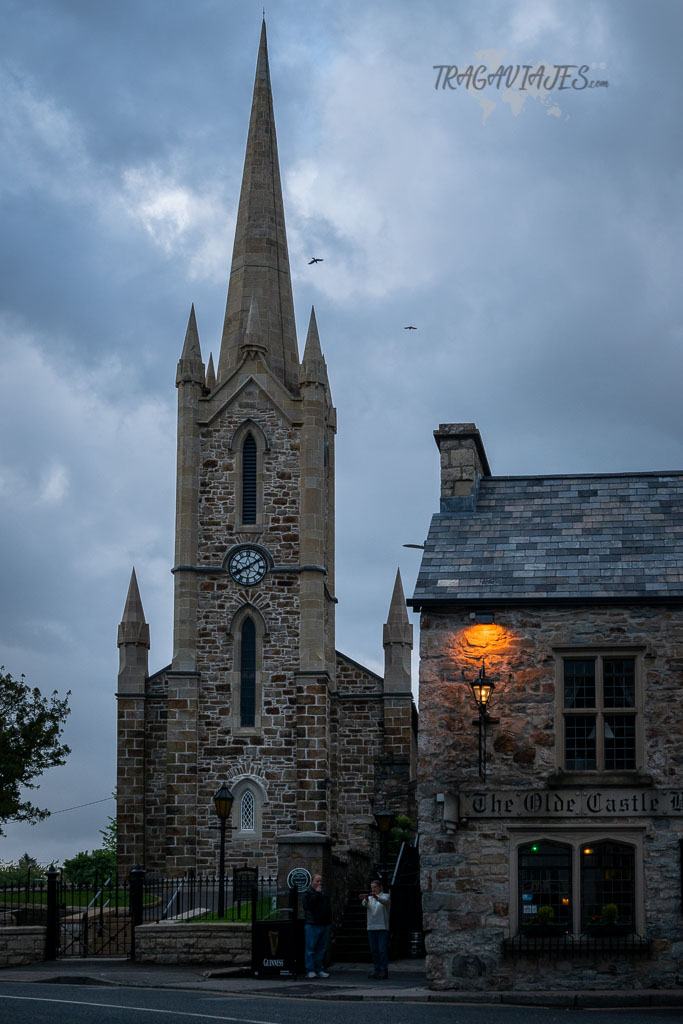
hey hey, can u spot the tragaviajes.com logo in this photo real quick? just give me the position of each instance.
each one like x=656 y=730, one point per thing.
x=491 y=78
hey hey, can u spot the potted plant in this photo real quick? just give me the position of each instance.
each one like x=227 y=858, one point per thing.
x=543 y=923
x=608 y=922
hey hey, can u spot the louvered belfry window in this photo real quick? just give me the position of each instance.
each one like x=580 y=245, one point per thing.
x=248 y=674
x=249 y=480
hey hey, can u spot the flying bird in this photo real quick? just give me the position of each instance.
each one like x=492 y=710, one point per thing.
x=316 y=259
x=411 y=328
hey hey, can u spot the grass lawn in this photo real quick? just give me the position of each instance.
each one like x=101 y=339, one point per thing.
x=232 y=914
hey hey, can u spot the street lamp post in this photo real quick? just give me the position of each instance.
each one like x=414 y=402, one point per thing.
x=223 y=800
x=384 y=821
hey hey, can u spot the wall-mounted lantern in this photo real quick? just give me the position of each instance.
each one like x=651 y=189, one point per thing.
x=482 y=687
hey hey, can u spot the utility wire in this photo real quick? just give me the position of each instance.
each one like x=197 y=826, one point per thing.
x=64 y=809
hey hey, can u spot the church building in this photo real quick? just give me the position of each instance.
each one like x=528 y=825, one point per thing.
x=310 y=743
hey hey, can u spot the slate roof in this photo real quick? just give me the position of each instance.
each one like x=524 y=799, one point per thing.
x=613 y=537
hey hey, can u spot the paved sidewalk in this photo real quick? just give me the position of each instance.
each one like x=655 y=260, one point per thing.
x=348 y=982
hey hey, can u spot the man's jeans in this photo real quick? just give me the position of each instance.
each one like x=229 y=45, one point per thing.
x=316 y=946
x=379 y=940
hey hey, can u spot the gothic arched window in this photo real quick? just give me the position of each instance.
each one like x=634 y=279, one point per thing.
x=545 y=879
x=248 y=674
x=251 y=797
x=249 y=466
x=247 y=812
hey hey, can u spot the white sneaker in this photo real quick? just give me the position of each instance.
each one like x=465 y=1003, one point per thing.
x=311 y=974
x=323 y=974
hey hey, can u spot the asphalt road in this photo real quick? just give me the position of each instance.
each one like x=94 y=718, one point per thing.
x=85 y=1004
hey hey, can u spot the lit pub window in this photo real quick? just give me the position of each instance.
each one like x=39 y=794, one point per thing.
x=545 y=880
x=607 y=877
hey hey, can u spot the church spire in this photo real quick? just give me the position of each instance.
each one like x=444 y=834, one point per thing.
x=260 y=261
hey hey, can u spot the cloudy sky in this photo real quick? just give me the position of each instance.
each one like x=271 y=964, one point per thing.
x=532 y=237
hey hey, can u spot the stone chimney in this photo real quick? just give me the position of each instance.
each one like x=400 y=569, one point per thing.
x=463 y=463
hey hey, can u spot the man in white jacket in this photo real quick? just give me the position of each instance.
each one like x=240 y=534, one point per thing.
x=377 y=904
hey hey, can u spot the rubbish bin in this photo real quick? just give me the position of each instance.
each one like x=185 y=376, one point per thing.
x=276 y=948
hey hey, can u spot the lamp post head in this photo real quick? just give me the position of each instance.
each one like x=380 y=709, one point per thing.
x=223 y=801
x=482 y=688
x=384 y=820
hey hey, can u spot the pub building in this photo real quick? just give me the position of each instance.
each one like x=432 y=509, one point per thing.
x=550 y=772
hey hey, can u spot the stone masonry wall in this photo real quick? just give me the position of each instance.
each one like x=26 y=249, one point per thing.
x=467 y=866
x=361 y=726
x=225 y=944
x=130 y=741
x=156 y=716
x=22 y=945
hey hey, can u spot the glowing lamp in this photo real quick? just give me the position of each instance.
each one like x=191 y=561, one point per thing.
x=482 y=688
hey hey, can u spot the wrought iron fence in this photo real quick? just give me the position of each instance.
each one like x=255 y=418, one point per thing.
x=97 y=918
x=23 y=903
x=567 y=947
x=196 y=898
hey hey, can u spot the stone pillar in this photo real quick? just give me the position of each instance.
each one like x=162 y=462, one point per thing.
x=133 y=644
x=310 y=850
x=190 y=379
x=183 y=678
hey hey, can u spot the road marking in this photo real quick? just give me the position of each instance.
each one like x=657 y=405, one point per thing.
x=142 y=1009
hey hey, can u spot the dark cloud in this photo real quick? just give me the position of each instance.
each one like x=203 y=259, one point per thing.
x=537 y=253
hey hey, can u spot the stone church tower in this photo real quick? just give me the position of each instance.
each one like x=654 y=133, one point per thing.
x=310 y=742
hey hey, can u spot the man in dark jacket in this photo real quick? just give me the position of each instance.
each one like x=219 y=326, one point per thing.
x=317 y=915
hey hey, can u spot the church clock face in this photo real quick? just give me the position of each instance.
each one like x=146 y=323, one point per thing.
x=248 y=566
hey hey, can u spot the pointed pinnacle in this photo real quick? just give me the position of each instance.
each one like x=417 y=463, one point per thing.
x=133 y=629
x=398 y=611
x=190 y=365
x=133 y=611
x=313 y=366
x=210 y=374
x=191 y=349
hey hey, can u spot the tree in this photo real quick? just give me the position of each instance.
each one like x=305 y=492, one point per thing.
x=90 y=869
x=26 y=871
x=110 y=834
x=30 y=729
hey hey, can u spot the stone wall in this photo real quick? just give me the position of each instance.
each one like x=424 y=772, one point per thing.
x=176 y=943
x=22 y=945
x=468 y=862
x=361 y=725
